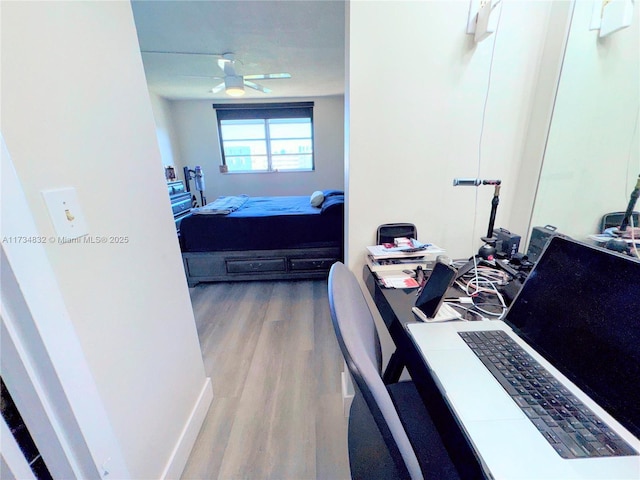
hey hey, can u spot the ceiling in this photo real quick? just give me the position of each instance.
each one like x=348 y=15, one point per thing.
x=303 y=38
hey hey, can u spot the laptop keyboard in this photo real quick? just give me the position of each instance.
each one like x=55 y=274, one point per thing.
x=571 y=428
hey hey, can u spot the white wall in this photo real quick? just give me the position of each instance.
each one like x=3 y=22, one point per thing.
x=415 y=124
x=593 y=152
x=76 y=113
x=165 y=132
x=196 y=128
x=524 y=188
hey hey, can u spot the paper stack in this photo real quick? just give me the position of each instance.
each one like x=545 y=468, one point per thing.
x=382 y=258
x=395 y=265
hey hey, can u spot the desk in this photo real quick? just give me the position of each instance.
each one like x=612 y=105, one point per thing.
x=494 y=428
x=395 y=306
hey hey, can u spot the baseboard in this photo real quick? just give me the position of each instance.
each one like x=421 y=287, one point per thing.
x=347 y=393
x=185 y=443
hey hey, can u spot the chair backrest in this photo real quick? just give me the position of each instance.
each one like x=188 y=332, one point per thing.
x=614 y=219
x=358 y=339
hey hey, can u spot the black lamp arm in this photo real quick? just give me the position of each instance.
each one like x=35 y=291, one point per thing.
x=632 y=203
x=494 y=208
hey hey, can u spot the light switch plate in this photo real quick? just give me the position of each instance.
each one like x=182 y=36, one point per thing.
x=65 y=212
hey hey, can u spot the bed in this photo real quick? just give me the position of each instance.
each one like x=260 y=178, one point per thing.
x=263 y=238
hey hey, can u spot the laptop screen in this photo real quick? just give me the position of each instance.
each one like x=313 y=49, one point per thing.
x=580 y=309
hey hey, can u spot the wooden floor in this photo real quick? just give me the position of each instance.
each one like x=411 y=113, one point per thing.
x=275 y=365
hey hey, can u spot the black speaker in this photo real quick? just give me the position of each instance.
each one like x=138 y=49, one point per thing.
x=387 y=232
x=507 y=243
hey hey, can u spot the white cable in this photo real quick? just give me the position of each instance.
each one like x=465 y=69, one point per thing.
x=481 y=136
x=479 y=287
x=480 y=139
x=494 y=314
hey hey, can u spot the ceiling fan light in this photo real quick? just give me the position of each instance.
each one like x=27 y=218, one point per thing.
x=234 y=85
x=235 y=91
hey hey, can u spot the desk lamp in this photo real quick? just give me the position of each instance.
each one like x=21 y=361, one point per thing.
x=488 y=250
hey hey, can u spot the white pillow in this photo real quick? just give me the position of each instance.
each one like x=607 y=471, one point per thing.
x=317 y=198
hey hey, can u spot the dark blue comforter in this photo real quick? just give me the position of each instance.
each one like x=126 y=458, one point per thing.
x=266 y=223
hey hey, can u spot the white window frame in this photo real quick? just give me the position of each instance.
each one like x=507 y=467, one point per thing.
x=265 y=112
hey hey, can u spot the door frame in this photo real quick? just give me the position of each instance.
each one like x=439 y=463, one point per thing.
x=41 y=361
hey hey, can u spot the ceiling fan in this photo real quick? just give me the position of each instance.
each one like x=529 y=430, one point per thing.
x=232 y=83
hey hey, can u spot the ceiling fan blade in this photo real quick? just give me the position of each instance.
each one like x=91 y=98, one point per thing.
x=181 y=53
x=217 y=88
x=216 y=77
x=268 y=76
x=255 y=86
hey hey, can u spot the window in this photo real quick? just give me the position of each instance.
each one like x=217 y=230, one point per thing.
x=269 y=137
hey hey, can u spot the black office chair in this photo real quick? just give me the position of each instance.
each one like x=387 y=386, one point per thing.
x=388 y=231
x=614 y=219
x=391 y=435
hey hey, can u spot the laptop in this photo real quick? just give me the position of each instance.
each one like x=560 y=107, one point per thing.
x=577 y=318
